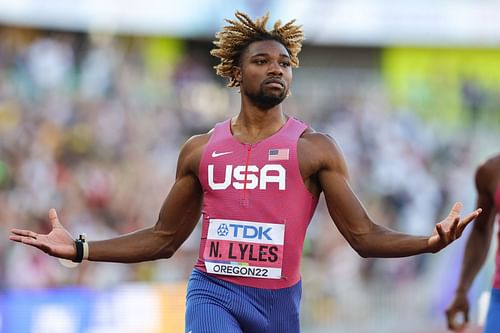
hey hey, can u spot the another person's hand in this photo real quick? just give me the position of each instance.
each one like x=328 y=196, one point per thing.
x=451 y=228
x=57 y=243
x=457 y=313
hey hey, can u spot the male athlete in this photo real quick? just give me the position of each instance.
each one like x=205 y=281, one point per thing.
x=478 y=244
x=255 y=179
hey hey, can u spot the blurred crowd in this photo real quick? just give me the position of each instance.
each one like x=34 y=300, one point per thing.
x=92 y=124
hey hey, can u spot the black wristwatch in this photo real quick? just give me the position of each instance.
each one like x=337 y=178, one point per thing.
x=79 y=243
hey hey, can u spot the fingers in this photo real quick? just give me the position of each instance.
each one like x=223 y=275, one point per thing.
x=449 y=318
x=25 y=233
x=440 y=231
x=455 y=210
x=28 y=240
x=24 y=236
x=54 y=220
x=457 y=321
x=447 y=230
x=16 y=238
x=454 y=227
x=457 y=225
x=468 y=219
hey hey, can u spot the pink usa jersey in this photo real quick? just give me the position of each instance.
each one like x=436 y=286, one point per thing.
x=256 y=208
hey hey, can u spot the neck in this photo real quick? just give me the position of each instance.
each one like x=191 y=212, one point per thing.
x=253 y=124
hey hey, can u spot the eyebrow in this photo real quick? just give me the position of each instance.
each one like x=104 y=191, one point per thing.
x=263 y=54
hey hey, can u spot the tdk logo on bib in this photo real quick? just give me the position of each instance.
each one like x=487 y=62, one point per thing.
x=252 y=232
x=223 y=230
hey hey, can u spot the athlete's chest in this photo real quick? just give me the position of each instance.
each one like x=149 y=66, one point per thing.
x=245 y=166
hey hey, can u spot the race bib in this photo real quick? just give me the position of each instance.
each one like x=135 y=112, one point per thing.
x=243 y=248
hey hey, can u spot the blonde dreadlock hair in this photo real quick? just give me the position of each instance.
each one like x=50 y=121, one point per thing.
x=234 y=38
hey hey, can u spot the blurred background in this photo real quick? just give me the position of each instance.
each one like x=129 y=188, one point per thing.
x=97 y=97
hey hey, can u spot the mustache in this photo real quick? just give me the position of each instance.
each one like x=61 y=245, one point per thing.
x=274 y=80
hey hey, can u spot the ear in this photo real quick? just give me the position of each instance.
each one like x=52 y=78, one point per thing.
x=237 y=73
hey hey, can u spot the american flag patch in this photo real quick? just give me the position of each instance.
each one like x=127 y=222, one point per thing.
x=279 y=154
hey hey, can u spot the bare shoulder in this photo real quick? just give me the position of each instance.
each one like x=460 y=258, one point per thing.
x=493 y=162
x=321 y=149
x=191 y=151
x=488 y=173
x=196 y=141
x=490 y=167
x=319 y=143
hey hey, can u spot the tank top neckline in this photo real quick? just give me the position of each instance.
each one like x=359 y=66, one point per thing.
x=229 y=132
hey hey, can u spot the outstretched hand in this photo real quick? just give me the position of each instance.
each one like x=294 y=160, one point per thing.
x=57 y=243
x=457 y=314
x=451 y=228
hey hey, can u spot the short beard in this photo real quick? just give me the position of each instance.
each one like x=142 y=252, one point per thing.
x=266 y=101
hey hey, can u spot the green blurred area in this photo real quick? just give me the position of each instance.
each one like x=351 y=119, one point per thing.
x=457 y=86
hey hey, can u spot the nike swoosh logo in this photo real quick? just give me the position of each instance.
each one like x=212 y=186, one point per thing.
x=216 y=154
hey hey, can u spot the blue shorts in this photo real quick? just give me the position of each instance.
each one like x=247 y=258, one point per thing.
x=217 y=306
x=492 y=324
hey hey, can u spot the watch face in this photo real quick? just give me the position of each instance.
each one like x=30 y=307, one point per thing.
x=67 y=263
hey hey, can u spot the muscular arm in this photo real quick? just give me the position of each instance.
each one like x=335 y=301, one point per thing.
x=479 y=240
x=476 y=250
x=177 y=218
x=366 y=237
